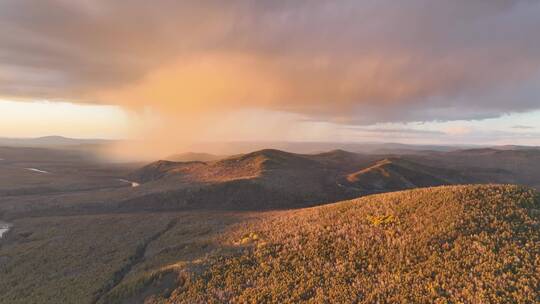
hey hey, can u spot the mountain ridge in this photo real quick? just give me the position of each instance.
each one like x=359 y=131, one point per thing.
x=427 y=245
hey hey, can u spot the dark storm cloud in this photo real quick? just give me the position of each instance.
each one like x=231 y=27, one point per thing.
x=347 y=61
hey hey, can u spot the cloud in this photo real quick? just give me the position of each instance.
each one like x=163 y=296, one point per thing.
x=351 y=62
x=458 y=131
x=499 y=137
x=522 y=127
x=396 y=131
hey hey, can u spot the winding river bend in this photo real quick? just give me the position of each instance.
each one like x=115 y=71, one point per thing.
x=133 y=184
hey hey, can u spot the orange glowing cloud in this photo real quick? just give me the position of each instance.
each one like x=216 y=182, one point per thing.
x=307 y=85
x=347 y=61
x=188 y=66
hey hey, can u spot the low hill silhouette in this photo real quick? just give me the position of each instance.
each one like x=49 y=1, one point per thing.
x=270 y=179
x=194 y=156
x=391 y=174
x=273 y=179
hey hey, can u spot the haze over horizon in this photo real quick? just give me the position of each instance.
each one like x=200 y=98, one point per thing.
x=172 y=73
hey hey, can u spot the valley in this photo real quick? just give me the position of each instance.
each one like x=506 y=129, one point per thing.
x=89 y=231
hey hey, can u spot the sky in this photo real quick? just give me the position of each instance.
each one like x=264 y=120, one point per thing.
x=170 y=72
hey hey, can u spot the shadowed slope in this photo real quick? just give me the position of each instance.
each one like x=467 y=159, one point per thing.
x=270 y=179
x=258 y=180
x=393 y=174
x=490 y=165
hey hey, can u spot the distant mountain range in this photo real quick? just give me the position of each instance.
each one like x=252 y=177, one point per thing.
x=274 y=179
x=234 y=148
x=268 y=179
x=49 y=141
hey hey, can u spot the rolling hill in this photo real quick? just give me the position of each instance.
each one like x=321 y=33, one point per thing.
x=82 y=233
x=392 y=174
x=261 y=180
x=270 y=179
x=515 y=166
x=264 y=179
x=193 y=156
x=457 y=244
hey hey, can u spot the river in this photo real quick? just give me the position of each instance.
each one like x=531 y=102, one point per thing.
x=4 y=227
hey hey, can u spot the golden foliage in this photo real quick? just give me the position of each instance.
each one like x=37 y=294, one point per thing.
x=461 y=244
